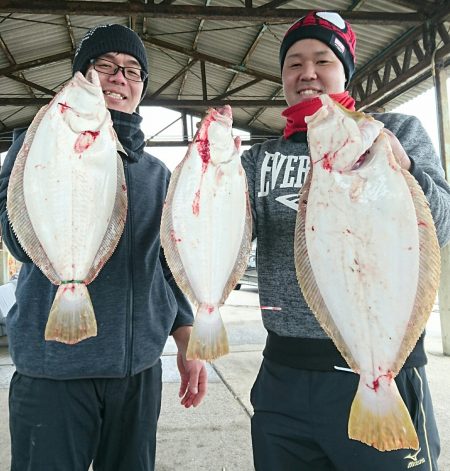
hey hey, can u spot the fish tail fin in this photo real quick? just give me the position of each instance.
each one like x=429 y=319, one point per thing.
x=208 y=337
x=379 y=417
x=71 y=317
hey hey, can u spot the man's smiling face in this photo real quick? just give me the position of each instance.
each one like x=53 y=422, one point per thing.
x=120 y=93
x=311 y=68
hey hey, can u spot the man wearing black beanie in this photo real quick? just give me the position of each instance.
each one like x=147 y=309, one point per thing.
x=304 y=389
x=98 y=401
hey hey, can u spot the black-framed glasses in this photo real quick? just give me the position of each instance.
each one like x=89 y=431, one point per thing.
x=107 y=67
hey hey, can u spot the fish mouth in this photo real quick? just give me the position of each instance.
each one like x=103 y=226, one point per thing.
x=225 y=111
x=222 y=114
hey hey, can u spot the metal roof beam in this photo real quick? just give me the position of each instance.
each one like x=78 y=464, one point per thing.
x=36 y=63
x=168 y=103
x=255 y=15
x=399 y=84
x=237 y=89
x=418 y=43
x=210 y=59
x=194 y=47
x=273 y=4
x=173 y=79
x=422 y=6
x=256 y=116
x=31 y=84
x=249 y=53
x=13 y=62
x=70 y=31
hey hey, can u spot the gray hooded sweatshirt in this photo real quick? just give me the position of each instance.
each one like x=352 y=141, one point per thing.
x=276 y=170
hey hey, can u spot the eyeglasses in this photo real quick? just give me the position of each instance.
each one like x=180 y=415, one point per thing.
x=111 y=68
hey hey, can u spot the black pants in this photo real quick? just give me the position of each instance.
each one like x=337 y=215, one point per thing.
x=300 y=422
x=65 y=425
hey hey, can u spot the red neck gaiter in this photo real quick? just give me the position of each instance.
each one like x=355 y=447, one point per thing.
x=295 y=115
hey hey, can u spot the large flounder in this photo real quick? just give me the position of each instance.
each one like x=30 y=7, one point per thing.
x=67 y=200
x=206 y=228
x=368 y=263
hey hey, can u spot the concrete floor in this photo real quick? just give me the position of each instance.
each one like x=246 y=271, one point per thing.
x=216 y=435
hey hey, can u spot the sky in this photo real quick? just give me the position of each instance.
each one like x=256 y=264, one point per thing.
x=155 y=119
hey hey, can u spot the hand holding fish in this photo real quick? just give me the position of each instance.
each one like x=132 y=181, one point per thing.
x=398 y=151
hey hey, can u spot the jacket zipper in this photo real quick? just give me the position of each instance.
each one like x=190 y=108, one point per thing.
x=129 y=316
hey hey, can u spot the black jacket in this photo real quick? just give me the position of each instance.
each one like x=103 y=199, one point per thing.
x=136 y=301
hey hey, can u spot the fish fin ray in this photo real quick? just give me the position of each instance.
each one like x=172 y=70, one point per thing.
x=208 y=339
x=71 y=317
x=115 y=226
x=307 y=281
x=429 y=271
x=17 y=211
x=380 y=418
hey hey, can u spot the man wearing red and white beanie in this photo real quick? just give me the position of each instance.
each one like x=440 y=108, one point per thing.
x=304 y=390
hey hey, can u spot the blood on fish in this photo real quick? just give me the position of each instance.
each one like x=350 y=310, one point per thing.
x=69 y=287
x=219 y=175
x=85 y=140
x=422 y=223
x=203 y=149
x=376 y=382
x=63 y=107
x=124 y=187
x=326 y=163
x=174 y=237
x=202 y=142
x=196 y=203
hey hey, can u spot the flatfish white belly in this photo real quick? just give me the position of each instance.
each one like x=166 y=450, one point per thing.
x=67 y=200
x=367 y=262
x=206 y=228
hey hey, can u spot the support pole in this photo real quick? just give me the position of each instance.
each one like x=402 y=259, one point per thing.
x=443 y=115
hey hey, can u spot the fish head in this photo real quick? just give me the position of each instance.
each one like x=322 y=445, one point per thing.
x=215 y=137
x=339 y=138
x=82 y=104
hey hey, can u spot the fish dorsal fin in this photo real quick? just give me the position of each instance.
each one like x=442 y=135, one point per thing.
x=16 y=207
x=429 y=271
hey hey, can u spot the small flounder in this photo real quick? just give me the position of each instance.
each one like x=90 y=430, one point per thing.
x=206 y=228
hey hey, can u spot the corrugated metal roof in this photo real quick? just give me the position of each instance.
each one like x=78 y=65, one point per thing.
x=29 y=37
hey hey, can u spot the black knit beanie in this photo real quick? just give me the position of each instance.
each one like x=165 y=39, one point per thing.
x=110 y=38
x=331 y=29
